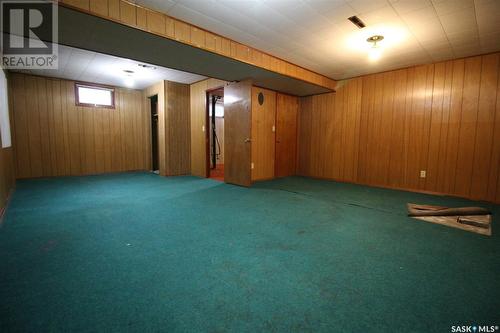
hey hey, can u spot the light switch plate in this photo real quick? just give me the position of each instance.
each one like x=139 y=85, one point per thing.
x=423 y=174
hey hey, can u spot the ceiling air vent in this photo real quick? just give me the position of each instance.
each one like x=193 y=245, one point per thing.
x=357 y=22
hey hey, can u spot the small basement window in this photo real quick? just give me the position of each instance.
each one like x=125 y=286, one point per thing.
x=94 y=95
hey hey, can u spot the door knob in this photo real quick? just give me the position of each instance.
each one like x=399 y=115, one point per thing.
x=248 y=140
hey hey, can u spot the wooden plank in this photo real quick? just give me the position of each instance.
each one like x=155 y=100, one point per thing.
x=304 y=131
x=41 y=92
x=169 y=27
x=179 y=139
x=494 y=172
x=436 y=119
x=21 y=117
x=286 y=135
x=365 y=127
x=467 y=132
x=197 y=37
x=329 y=133
x=443 y=147
x=485 y=126
x=59 y=128
x=114 y=9
x=156 y=22
x=35 y=144
x=396 y=163
x=182 y=31
x=426 y=125
x=454 y=124
x=337 y=134
x=75 y=136
x=263 y=117
x=52 y=130
x=128 y=13
x=142 y=18
x=99 y=7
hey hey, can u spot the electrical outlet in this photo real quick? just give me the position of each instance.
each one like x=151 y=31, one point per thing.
x=274 y=128
x=203 y=128
x=423 y=173
x=251 y=165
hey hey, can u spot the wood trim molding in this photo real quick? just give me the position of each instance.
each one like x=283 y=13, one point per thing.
x=160 y=24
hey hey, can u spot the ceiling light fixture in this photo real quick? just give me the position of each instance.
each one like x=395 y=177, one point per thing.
x=375 y=51
x=374 y=40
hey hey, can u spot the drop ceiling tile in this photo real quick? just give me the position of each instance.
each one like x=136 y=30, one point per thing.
x=324 y=6
x=339 y=13
x=365 y=6
x=419 y=16
x=460 y=20
x=382 y=15
x=406 y=6
x=444 y=7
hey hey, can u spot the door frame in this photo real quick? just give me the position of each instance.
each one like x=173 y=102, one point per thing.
x=207 y=128
x=150 y=100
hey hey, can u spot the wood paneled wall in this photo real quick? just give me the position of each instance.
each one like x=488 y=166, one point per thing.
x=178 y=129
x=383 y=129
x=163 y=25
x=6 y=177
x=159 y=90
x=198 y=124
x=7 y=181
x=53 y=137
x=263 y=134
x=174 y=141
x=287 y=108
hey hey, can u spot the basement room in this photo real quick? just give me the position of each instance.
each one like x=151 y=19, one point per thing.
x=250 y=166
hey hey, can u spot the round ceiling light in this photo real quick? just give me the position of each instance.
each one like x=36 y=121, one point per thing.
x=375 y=39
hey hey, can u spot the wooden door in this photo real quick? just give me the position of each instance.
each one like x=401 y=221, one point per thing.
x=263 y=133
x=237 y=133
x=286 y=135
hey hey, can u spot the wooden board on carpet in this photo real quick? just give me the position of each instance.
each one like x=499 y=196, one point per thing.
x=453 y=221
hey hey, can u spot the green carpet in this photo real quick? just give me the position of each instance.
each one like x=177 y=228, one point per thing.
x=137 y=252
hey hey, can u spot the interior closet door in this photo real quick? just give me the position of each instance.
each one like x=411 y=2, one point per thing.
x=237 y=133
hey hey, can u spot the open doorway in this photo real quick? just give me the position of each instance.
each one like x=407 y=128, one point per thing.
x=154 y=134
x=215 y=134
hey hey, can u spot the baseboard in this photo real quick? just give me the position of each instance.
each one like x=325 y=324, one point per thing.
x=86 y=174
x=400 y=189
